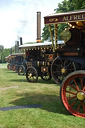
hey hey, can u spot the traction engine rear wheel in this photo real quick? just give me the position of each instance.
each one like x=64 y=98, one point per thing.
x=73 y=93
x=60 y=68
x=46 y=76
x=31 y=74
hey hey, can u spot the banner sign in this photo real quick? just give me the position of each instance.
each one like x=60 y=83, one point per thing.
x=64 y=17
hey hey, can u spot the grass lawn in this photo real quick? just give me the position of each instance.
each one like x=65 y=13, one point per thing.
x=15 y=90
x=3 y=65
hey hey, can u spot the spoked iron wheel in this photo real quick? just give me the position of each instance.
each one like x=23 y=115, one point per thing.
x=31 y=74
x=13 y=67
x=16 y=68
x=21 y=70
x=8 y=66
x=60 y=68
x=73 y=93
x=46 y=76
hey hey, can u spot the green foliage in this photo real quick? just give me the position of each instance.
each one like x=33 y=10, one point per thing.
x=1 y=48
x=70 y=5
x=4 y=54
x=61 y=27
x=78 y=4
x=46 y=33
x=64 y=6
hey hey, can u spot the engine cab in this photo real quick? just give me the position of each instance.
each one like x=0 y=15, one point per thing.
x=74 y=40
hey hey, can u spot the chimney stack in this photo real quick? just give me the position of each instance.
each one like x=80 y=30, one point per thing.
x=10 y=50
x=20 y=40
x=16 y=46
x=38 y=27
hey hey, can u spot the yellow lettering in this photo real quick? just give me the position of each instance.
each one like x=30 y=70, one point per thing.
x=64 y=18
x=79 y=17
x=75 y=17
x=83 y=16
x=67 y=17
x=71 y=17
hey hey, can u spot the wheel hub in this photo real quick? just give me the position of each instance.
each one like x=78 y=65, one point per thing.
x=63 y=70
x=81 y=95
x=30 y=75
x=20 y=70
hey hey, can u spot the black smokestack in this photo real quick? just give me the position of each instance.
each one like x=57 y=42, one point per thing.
x=38 y=27
x=16 y=46
x=20 y=40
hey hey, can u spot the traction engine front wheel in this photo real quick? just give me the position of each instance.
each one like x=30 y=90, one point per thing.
x=31 y=74
x=21 y=70
x=73 y=93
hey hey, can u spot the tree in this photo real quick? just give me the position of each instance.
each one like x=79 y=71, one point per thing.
x=1 y=48
x=4 y=54
x=78 y=4
x=46 y=33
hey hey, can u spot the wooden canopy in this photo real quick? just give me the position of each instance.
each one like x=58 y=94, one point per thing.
x=17 y=54
x=76 y=18
x=14 y=55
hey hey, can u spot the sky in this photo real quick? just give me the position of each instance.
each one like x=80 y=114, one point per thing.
x=18 y=18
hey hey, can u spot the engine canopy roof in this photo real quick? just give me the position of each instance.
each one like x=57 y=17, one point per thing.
x=74 y=18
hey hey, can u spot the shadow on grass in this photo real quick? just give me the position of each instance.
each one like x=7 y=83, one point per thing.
x=11 y=71
x=51 y=103
x=46 y=82
x=24 y=79
x=39 y=81
x=18 y=80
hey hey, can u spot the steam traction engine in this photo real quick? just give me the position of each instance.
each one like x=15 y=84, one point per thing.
x=15 y=62
x=68 y=67
x=38 y=58
x=10 y=59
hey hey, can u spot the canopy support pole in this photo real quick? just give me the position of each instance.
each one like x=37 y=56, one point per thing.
x=55 y=26
x=51 y=38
